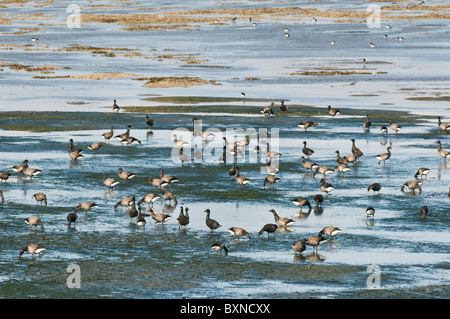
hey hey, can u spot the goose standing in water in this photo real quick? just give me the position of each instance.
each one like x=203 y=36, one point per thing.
x=299 y=246
x=307 y=151
x=271 y=180
x=74 y=153
x=367 y=124
x=443 y=153
x=178 y=142
x=394 y=127
x=384 y=156
x=4 y=176
x=376 y=187
x=40 y=198
x=423 y=210
x=267 y=111
x=183 y=218
x=72 y=217
x=133 y=212
x=306 y=124
x=271 y=154
x=149 y=123
x=126 y=176
x=300 y=202
x=443 y=126
x=108 y=135
x=169 y=179
x=318 y=199
x=308 y=165
x=239 y=232
x=150 y=198
x=123 y=136
x=115 y=107
x=211 y=223
x=333 y=112
x=232 y=170
x=324 y=170
x=315 y=241
x=219 y=246
x=109 y=181
x=34 y=221
x=157 y=182
x=242 y=180
x=341 y=160
x=130 y=140
x=33 y=249
x=282 y=221
x=169 y=196
x=412 y=185
x=124 y=202
x=330 y=231
x=356 y=151
x=269 y=228
x=95 y=146
x=423 y=171
x=325 y=187
x=19 y=168
x=370 y=212
x=140 y=220
x=86 y=206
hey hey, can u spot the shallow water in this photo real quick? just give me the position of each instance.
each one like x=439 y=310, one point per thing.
x=119 y=260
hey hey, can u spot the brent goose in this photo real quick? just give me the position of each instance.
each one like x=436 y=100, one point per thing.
x=299 y=246
x=384 y=156
x=239 y=232
x=269 y=228
x=330 y=231
x=211 y=223
x=40 y=198
x=33 y=249
x=412 y=185
x=282 y=221
x=115 y=107
x=34 y=221
x=219 y=246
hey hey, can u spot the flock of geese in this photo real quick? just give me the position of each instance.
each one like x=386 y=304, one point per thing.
x=136 y=213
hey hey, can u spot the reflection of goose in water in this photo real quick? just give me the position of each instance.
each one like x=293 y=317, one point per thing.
x=315 y=257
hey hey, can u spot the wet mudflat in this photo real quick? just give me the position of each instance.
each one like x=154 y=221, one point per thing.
x=118 y=259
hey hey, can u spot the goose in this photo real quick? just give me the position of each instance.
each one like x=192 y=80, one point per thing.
x=19 y=168
x=412 y=185
x=75 y=155
x=183 y=218
x=1 y=196
x=352 y=158
x=125 y=175
x=211 y=223
x=31 y=172
x=122 y=136
x=167 y=178
x=330 y=231
x=423 y=210
x=157 y=182
x=333 y=112
x=230 y=145
x=306 y=124
x=308 y=165
x=129 y=140
x=239 y=232
x=443 y=153
x=133 y=212
x=242 y=180
x=307 y=151
x=383 y=129
x=372 y=45
x=232 y=170
x=314 y=20
x=95 y=146
x=356 y=151
x=449 y=193
x=242 y=94
x=318 y=198
x=324 y=170
x=124 y=202
x=115 y=107
x=184 y=158
x=72 y=217
x=33 y=249
x=281 y=221
x=341 y=160
x=73 y=148
x=34 y=221
x=376 y=187
x=86 y=206
x=315 y=241
x=219 y=246
x=269 y=228
x=178 y=142
x=168 y=196
x=267 y=111
x=140 y=220
x=283 y=107
x=4 y=176
x=367 y=124
x=299 y=246
x=301 y=201
x=342 y=168
x=207 y=136
x=423 y=171
x=271 y=180
x=271 y=154
x=198 y=154
x=149 y=198
x=107 y=135
x=384 y=156
x=271 y=169
x=370 y=212
x=149 y=123
x=443 y=126
x=333 y=42
x=325 y=187
x=40 y=198
x=394 y=127
x=109 y=182
x=400 y=38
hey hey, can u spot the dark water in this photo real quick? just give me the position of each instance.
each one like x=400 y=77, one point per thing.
x=117 y=259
